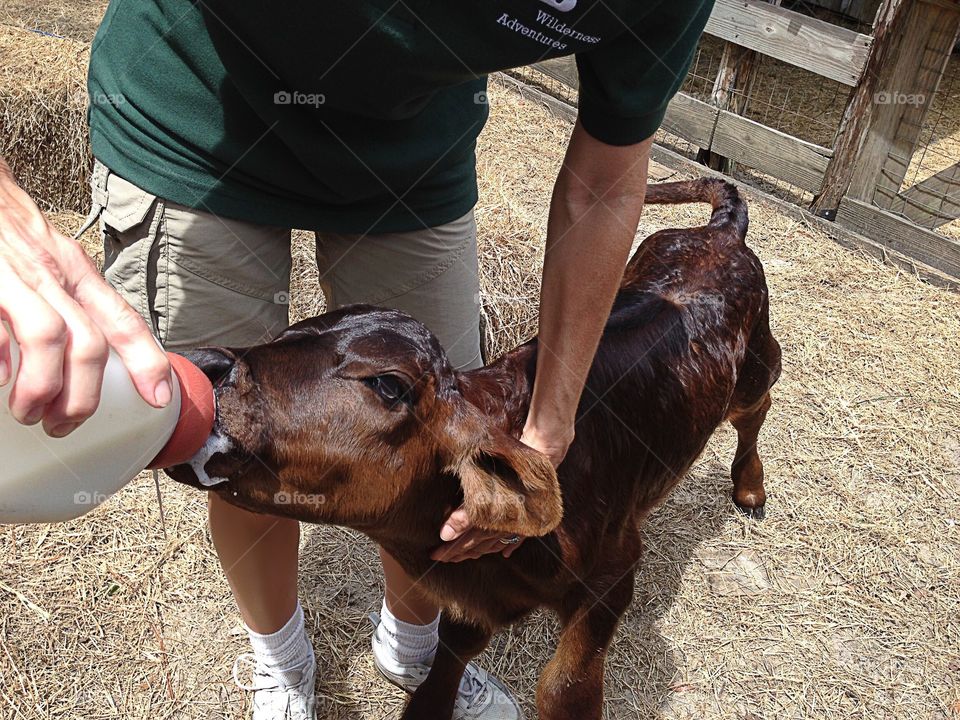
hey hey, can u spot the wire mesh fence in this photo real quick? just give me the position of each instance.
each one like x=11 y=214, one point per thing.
x=548 y=84
x=929 y=193
x=786 y=98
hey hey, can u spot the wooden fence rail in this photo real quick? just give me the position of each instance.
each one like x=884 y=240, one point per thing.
x=858 y=181
x=815 y=45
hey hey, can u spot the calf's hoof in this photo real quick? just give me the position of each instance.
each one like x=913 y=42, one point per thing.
x=754 y=513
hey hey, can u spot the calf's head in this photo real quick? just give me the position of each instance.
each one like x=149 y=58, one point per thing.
x=347 y=417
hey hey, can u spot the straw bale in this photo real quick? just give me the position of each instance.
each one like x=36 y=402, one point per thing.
x=43 y=127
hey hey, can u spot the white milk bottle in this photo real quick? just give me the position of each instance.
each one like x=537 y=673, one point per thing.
x=45 y=479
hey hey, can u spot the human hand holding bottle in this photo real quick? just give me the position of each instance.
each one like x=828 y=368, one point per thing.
x=65 y=317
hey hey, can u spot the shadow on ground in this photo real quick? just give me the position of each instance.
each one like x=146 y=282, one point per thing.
x=341 y=584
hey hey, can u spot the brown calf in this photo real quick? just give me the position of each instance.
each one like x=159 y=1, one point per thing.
x=356 y=418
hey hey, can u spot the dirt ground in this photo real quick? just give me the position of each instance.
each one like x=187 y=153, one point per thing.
x=842 y=603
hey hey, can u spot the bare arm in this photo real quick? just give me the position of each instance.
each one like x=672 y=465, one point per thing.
x=596 y=206
x=64 y=317
x=594 y=214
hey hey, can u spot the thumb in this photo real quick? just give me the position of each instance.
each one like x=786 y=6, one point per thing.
x=455 y=526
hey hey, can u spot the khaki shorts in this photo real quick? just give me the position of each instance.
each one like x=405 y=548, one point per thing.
x=199 y=279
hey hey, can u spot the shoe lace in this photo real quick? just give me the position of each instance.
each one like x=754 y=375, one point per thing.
x=264 y=677
x=472 y=683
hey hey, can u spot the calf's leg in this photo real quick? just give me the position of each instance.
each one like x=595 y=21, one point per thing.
x=748 y=410
x=571 y=686
x=749 y=494
x=460 y=642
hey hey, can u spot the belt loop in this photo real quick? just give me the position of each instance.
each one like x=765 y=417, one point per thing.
x=98 y=196
x=98 y=183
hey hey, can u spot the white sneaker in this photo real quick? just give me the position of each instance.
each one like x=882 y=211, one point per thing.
x=273 y=699
x=481 y=696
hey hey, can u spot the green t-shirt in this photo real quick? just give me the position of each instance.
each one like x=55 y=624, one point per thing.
x=356 y=115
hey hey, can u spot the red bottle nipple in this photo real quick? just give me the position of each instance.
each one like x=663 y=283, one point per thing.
x=197 y=412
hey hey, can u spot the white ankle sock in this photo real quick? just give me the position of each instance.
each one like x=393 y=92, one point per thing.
x=403 y=643
x=286 y=651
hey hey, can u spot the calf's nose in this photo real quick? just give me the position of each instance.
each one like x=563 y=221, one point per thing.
x=216 y=363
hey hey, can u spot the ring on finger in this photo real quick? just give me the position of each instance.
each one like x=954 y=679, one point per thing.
x=511 y=540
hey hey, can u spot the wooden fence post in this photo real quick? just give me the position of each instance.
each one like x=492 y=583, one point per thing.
x=731 y=91
x=881 y=124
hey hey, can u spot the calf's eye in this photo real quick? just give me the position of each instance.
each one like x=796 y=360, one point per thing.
x=391 y=389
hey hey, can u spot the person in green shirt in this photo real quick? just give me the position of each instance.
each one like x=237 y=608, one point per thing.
x=218 y=126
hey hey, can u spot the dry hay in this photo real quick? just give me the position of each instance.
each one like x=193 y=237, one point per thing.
x=43 y=130
x=844 y=602
x=76 y=19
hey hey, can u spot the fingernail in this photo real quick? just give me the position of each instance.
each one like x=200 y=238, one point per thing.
x=63 y=430
x=4 y=373
x=162 y=393
x=33 y=416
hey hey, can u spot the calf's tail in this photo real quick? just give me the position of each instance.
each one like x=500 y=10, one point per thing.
x=729 y=209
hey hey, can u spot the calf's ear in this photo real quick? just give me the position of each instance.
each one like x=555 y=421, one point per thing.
x=507 y=486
